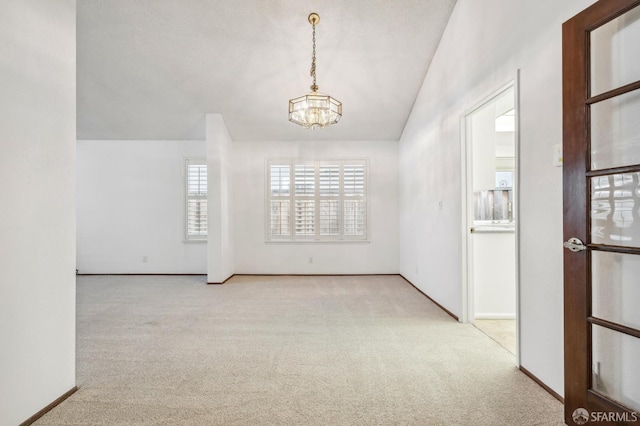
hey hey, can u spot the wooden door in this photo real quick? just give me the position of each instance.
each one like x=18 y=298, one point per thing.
x=601 y=179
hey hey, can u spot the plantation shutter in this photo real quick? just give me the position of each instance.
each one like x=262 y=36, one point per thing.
x=329 y=194
x=305 y=203
x=316 y=200
x=196 y=199
x=355 y=209
x=279 y=200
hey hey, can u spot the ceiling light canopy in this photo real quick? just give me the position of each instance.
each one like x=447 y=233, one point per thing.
x=314 y=109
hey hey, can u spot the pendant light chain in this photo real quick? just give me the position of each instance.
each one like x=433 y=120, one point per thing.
x=314 y=110
x=314 y=87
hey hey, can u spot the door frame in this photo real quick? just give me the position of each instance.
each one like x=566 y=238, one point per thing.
x=466 y=194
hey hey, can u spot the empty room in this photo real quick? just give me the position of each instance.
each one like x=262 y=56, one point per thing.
x=347 y=213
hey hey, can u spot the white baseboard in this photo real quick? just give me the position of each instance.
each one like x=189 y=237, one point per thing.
x=496 y=316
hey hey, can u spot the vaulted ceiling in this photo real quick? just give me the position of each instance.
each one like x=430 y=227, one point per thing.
x=151 y=69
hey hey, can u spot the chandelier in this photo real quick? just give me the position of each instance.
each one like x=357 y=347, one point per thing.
x=314 y=109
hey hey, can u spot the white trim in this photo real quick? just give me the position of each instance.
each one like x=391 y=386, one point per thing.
x=318 y=242
x=516 y=211
x=466 y=266
x=468 y=314
x=495 y=316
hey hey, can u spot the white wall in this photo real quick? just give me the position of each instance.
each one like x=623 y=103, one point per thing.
x=219 y=202
x=254 y=256
x=483 y=148
x=131 y=197
x=37 y=213
x=484 y=44
x=130 y=205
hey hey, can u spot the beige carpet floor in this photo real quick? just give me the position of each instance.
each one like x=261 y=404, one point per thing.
x=366 y=350
x=501 y=330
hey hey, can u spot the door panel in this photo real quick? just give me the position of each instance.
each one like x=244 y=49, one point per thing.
x=614 y=46
x=601 y=183
x=615 y=209
x=615 y=131
x=616 y=357
x=615 y=288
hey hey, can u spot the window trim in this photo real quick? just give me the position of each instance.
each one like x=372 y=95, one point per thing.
x=292 y=238
x=193 y=161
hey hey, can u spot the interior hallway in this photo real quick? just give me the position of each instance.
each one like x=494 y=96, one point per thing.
x=286 y=350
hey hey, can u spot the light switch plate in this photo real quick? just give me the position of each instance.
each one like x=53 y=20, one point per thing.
x=557 y=155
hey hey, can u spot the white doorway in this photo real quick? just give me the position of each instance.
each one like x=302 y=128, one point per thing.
x=490 y=220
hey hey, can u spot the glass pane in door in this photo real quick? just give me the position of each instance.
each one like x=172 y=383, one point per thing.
x=614 y=52
x=615 y=364
x=615 y=131
x=615 y=287
x=615 y=209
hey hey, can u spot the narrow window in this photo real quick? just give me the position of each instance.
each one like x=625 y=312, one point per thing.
x=196 y=199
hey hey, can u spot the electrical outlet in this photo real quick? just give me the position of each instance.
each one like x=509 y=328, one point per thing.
x=311 y=260
x=144 y=259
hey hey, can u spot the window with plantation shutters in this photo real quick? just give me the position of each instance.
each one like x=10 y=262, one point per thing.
x=196 y=199
x=316 y=200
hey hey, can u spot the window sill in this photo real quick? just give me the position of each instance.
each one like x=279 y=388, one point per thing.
x=319 y=242
x=194 y=241
x=496 y=229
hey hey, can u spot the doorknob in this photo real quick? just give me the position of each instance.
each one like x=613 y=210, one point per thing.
x=575 y=245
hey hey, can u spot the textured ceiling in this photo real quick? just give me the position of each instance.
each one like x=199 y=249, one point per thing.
x=151 y=69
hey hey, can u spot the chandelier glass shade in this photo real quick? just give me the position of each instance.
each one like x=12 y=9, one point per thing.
x=314 y=109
